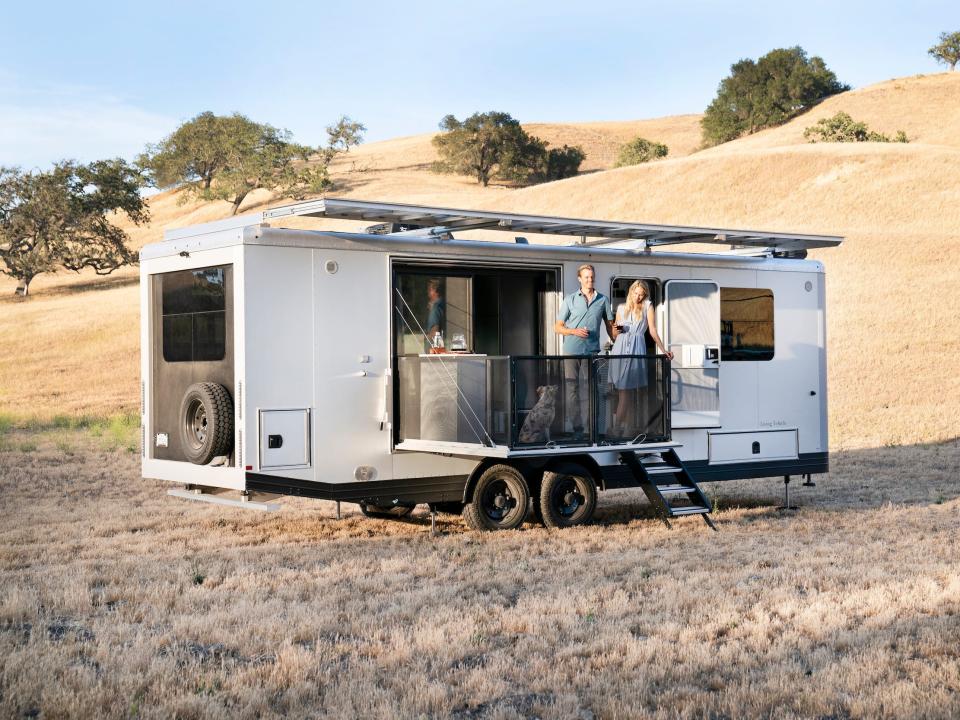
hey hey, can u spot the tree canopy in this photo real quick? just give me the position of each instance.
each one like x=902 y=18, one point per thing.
x=228 y=157
x=563 y=162
x=640 y=150
x=494 y=145
x=843 y=128
x=947 y=50
x=756 y=95
x=59 y=218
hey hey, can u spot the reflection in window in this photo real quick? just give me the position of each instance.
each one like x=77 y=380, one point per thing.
x=194 y=315
x=431 y=304
x=746 y=324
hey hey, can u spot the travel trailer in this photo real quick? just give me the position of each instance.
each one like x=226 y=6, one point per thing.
x=402 y=363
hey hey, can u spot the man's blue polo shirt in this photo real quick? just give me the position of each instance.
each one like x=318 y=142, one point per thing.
x=575 y=312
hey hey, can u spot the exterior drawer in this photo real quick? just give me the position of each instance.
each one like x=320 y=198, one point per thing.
x=731 y=447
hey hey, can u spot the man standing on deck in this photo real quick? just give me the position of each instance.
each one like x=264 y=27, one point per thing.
x=579 y=323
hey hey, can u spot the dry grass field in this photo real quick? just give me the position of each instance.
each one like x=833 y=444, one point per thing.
x=118 y=601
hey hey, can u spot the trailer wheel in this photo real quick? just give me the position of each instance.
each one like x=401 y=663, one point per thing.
x=386 y=512
x=500 y=500
x=206 y=422
x=567 y=500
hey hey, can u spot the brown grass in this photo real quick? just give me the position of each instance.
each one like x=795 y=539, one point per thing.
x=117 y=601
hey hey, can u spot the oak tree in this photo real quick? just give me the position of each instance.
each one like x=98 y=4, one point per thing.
x=947 y=50
x=494 y=145
x=61 y=218
x=228 y=157
x=769 y=92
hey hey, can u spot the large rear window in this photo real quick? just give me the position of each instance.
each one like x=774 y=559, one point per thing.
x=194 y=315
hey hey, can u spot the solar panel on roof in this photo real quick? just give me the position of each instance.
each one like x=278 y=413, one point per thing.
x=600 y=232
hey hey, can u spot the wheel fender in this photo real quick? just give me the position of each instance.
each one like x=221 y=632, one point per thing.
x=575 y=466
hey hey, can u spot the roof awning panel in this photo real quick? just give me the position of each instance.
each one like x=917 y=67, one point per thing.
x=600 y=232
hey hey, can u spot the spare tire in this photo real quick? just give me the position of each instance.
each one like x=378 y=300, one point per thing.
x=206 y=422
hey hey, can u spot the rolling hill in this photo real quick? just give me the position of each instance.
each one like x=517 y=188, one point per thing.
x=893 y=313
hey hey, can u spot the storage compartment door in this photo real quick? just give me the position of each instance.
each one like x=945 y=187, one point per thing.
x=284 y=439
x=693 y=335
x=737 y=447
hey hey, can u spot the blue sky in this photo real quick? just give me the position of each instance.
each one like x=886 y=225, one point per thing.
x=101 y=79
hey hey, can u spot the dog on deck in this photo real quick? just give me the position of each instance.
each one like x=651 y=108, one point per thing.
x=536 y=428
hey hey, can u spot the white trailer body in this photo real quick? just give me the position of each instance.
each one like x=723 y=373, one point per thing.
x=316 y=346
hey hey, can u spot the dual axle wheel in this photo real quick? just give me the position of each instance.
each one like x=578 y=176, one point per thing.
x=501 y=499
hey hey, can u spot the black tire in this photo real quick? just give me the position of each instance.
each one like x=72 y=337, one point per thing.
x=500 y=500
x=206 y=422
x=567 y=500
x=386 y=512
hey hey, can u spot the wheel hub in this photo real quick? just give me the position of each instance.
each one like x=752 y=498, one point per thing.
x=568 y=498
x=198 y=423
x=499 y=501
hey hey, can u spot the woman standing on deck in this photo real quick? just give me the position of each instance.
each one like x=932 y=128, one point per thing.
x=634 y=319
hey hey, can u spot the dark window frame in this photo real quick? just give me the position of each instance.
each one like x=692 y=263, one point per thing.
x=764 y=352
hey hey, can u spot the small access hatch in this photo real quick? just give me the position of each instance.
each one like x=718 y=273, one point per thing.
x=284 y=439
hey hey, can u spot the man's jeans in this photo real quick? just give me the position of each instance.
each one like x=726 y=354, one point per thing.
x=576 y=375
x=576 y=378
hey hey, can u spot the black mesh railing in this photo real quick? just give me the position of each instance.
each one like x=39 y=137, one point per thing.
x=633 y=398
x=573 y=400
x=534 y=401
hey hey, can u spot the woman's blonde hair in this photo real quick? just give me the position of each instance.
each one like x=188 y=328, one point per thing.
x=631 y=306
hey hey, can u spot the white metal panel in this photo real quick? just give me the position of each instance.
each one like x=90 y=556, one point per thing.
x=217 y=499
x=351 y=364
x=422 y=464
x=230 y=478
x=730 y=447
x=789 y=387
x=289 y=432
x=278 y=345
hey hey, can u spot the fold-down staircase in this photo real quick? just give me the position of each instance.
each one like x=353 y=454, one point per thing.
x=667 y=484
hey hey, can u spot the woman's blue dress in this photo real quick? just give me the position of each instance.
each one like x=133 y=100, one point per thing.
x=630 y=373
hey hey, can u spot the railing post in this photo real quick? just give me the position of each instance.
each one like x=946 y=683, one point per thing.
x=512 y=402
x=667 y=400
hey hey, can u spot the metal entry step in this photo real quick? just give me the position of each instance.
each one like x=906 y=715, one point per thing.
x=668 y=485
x=208 y=496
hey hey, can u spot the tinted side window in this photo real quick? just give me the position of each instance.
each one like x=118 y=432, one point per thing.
x=194 y=315
x=428 y=304
x=746 y=324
